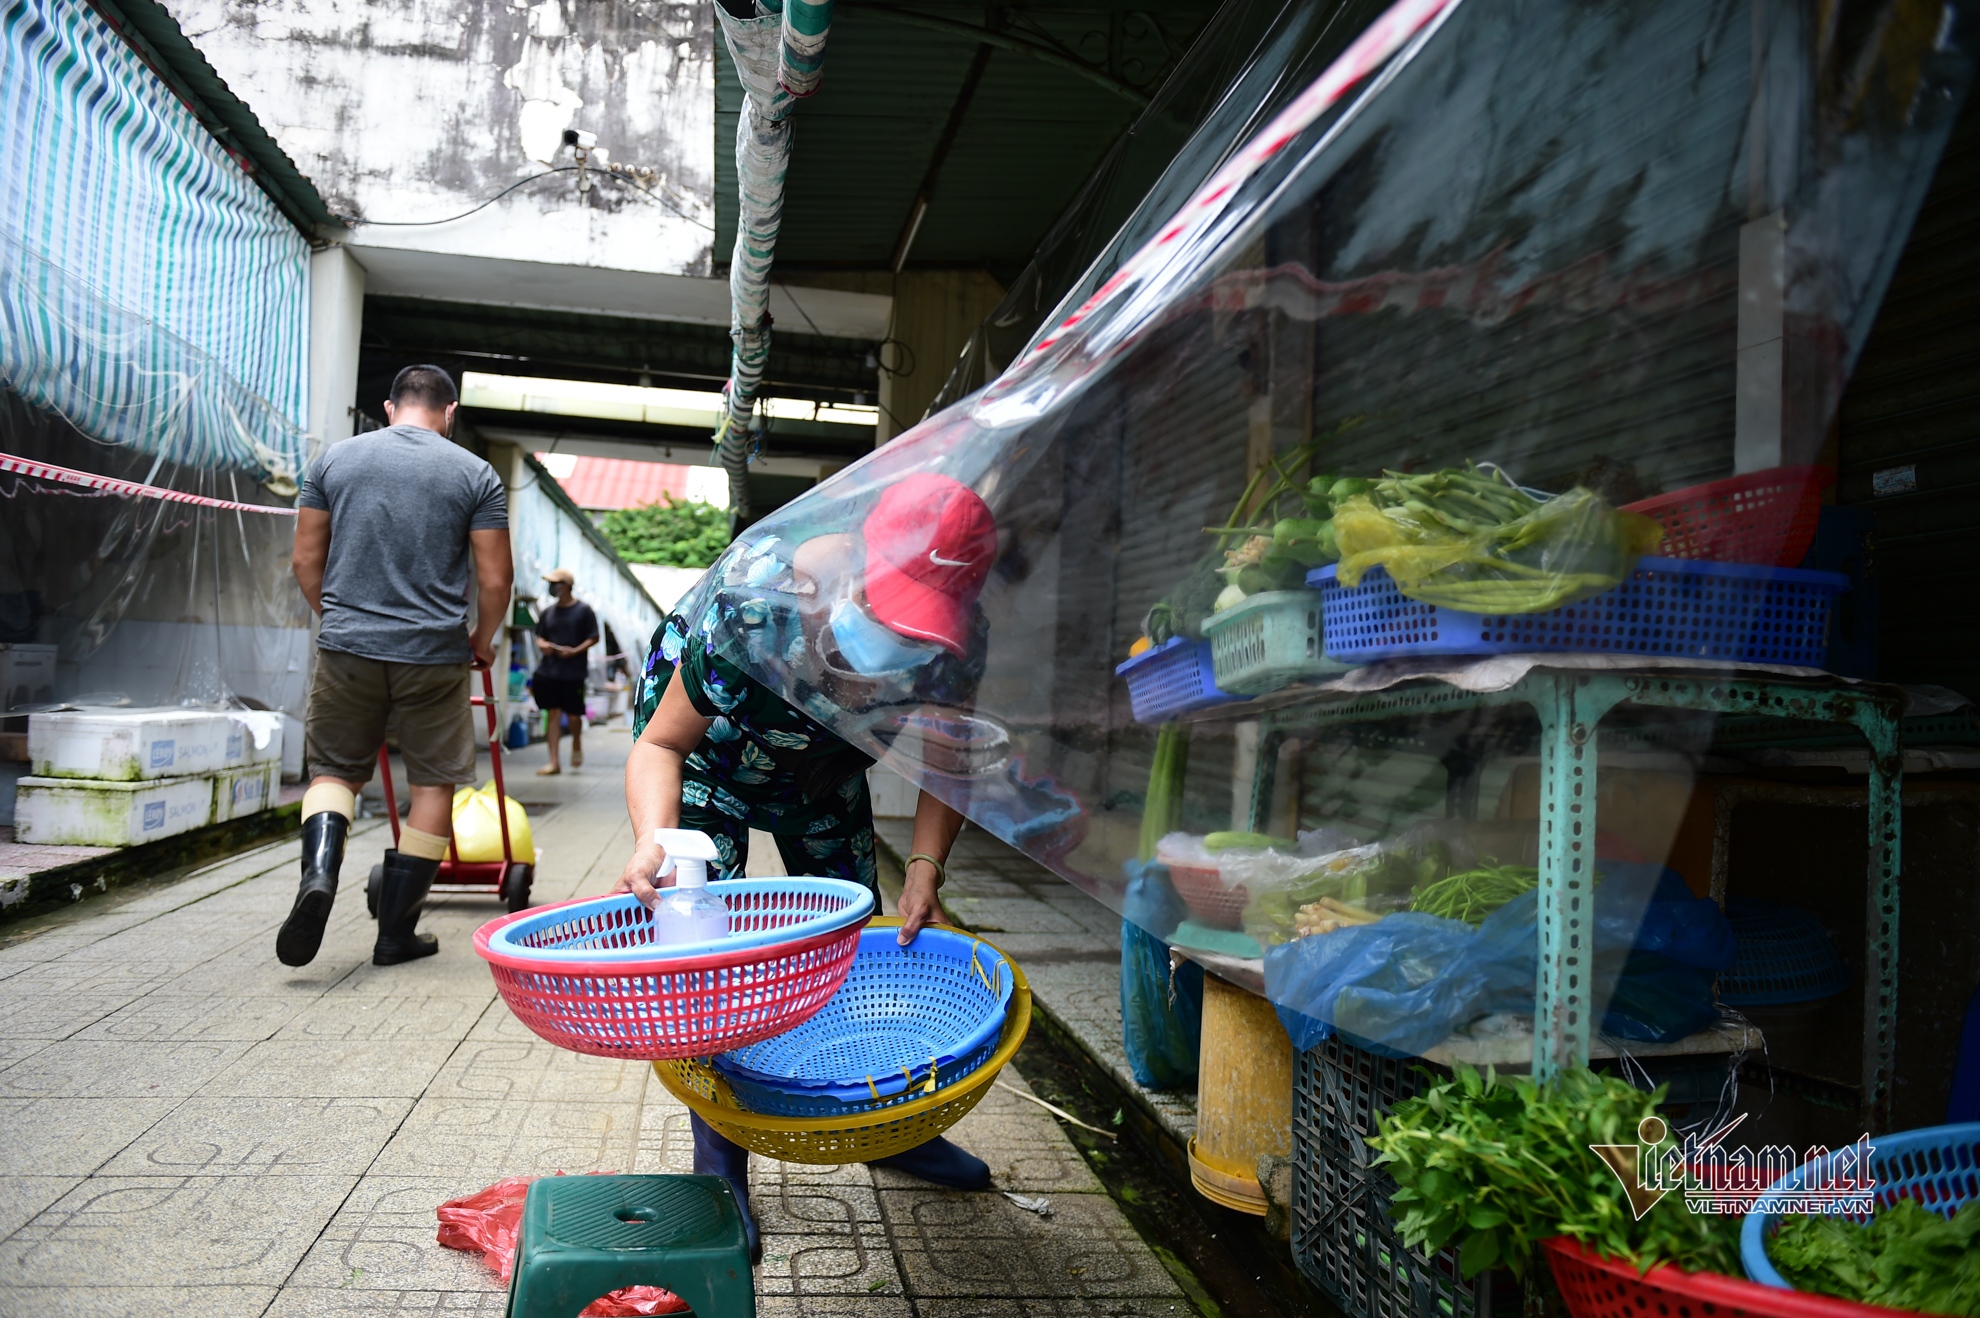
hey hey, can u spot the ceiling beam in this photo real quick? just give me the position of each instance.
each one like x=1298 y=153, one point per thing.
x=925 y=194
x=1001 y=40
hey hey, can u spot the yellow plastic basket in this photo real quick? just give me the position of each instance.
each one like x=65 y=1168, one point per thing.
x=859 y=1138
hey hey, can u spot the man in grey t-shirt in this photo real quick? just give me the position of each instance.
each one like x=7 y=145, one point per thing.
x=386 y=528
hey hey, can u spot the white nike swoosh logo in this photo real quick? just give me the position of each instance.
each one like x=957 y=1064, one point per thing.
x=937 y=559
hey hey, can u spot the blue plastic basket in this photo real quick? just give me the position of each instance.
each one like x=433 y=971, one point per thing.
x=1784 y=956
x=1938 y=1166
x=905 y=1015
x=762 y=913
x=1172 y=678
x=780 y=1101
x=1668 y=606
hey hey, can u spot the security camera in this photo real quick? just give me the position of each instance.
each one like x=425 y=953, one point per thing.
x=578 y=138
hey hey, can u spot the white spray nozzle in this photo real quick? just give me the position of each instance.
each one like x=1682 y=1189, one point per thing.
x=688 y=852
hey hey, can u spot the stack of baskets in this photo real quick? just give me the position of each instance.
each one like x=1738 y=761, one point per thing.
x=809 y=1034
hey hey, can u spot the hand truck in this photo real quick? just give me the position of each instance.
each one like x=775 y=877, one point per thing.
x=507 y=878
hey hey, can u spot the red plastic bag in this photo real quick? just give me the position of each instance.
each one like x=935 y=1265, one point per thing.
x=488 y=1221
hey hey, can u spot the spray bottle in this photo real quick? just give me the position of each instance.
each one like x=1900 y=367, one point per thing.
x=687 y=912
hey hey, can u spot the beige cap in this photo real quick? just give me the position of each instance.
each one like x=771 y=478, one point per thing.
x=562 y=574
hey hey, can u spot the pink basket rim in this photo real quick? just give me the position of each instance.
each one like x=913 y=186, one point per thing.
x=1819 y=475
x=649 y=965
x=1718 y=1289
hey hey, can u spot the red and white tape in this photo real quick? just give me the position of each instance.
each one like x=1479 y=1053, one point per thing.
x=48 y=472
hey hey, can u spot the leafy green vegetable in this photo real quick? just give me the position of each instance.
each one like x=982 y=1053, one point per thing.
x=1163 y=807
x=672 y=533
x=1182 y=611
x=1906 y=1257
x=1475 y=894
x=1497 y=1165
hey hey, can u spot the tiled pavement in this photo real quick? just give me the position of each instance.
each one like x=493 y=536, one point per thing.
x=192 y=1128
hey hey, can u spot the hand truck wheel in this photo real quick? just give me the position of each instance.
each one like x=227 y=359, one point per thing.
x=372 y=887
x=515 y=886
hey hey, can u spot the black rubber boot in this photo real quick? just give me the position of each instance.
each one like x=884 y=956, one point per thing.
x=715 y=1154
x=323 y=837
x=942 y=1163
x=401 y=897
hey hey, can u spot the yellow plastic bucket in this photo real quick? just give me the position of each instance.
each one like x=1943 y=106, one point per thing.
x=828 y=1141
x=1243 y=1096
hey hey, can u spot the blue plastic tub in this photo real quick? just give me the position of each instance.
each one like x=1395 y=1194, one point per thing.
x=1668 y=606
x=1938 y=1166
x=904 y=1016
x=1784 y=956
x=1173 y=678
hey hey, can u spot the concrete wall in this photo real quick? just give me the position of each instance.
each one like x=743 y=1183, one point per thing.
x=421 y=109
x=933 y=313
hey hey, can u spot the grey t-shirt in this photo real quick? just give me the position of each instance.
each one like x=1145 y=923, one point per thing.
x=401 y=502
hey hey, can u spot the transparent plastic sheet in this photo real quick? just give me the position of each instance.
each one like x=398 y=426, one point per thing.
x=148 y=602
x=1503 y=233
x=1252 y=57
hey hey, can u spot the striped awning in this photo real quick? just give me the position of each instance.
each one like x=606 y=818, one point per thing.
x=150 y=292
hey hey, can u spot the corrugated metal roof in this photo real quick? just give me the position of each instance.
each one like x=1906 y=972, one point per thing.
x=1032 y=135
x=613 y=483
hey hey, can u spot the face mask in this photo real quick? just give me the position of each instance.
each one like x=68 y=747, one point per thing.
x=872 y=648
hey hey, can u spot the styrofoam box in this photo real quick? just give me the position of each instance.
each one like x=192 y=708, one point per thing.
x=131 y=745
x=73 y=812
x=238 y=793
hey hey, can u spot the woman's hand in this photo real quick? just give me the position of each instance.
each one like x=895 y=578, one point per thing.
x=935 y=829
x=641 y=870
x=919 y=904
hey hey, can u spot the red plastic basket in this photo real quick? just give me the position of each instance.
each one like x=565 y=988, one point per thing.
x=1597 y=1287
x=1765 y=518
x=652 y=1010
x=1207 y=897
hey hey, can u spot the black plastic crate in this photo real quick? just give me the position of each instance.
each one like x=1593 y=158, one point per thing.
x=1343 y=1236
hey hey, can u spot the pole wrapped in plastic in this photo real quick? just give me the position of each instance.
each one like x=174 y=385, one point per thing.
x=778 y=58
x=806 y=25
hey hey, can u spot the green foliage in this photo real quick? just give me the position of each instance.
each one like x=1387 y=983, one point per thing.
x=1498 y=1165
x=1906 y=1257
x=672 y=533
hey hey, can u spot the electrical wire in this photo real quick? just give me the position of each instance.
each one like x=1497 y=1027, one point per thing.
x=668 y=202
x=800 y=310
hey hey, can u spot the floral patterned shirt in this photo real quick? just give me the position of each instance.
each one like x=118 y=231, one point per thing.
x=763 y=760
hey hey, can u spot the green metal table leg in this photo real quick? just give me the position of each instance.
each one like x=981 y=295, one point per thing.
x=1880 y=727
x=1569 y=705
x=1264 y=778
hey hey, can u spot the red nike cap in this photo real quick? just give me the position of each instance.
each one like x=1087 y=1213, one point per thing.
x=930 y=541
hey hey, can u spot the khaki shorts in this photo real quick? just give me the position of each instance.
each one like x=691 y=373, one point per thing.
x=352 y=700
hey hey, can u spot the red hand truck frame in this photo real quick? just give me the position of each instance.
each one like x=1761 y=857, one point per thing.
x=507 y=878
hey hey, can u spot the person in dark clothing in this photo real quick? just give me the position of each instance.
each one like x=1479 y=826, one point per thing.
x=397 y=532
x=566 y=630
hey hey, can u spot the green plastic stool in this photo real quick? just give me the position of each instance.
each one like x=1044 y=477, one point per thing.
x=583 y=1236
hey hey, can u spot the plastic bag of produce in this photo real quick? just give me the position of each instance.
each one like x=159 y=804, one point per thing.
x=1161 y=1031
x=478 y=829
x=1467 y=540
x=1402 y=984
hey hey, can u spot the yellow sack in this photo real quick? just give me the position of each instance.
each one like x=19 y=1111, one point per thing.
x=1567 y=548
x=478 y=830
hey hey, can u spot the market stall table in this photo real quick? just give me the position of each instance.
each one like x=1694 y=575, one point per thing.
x=1572 y=696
